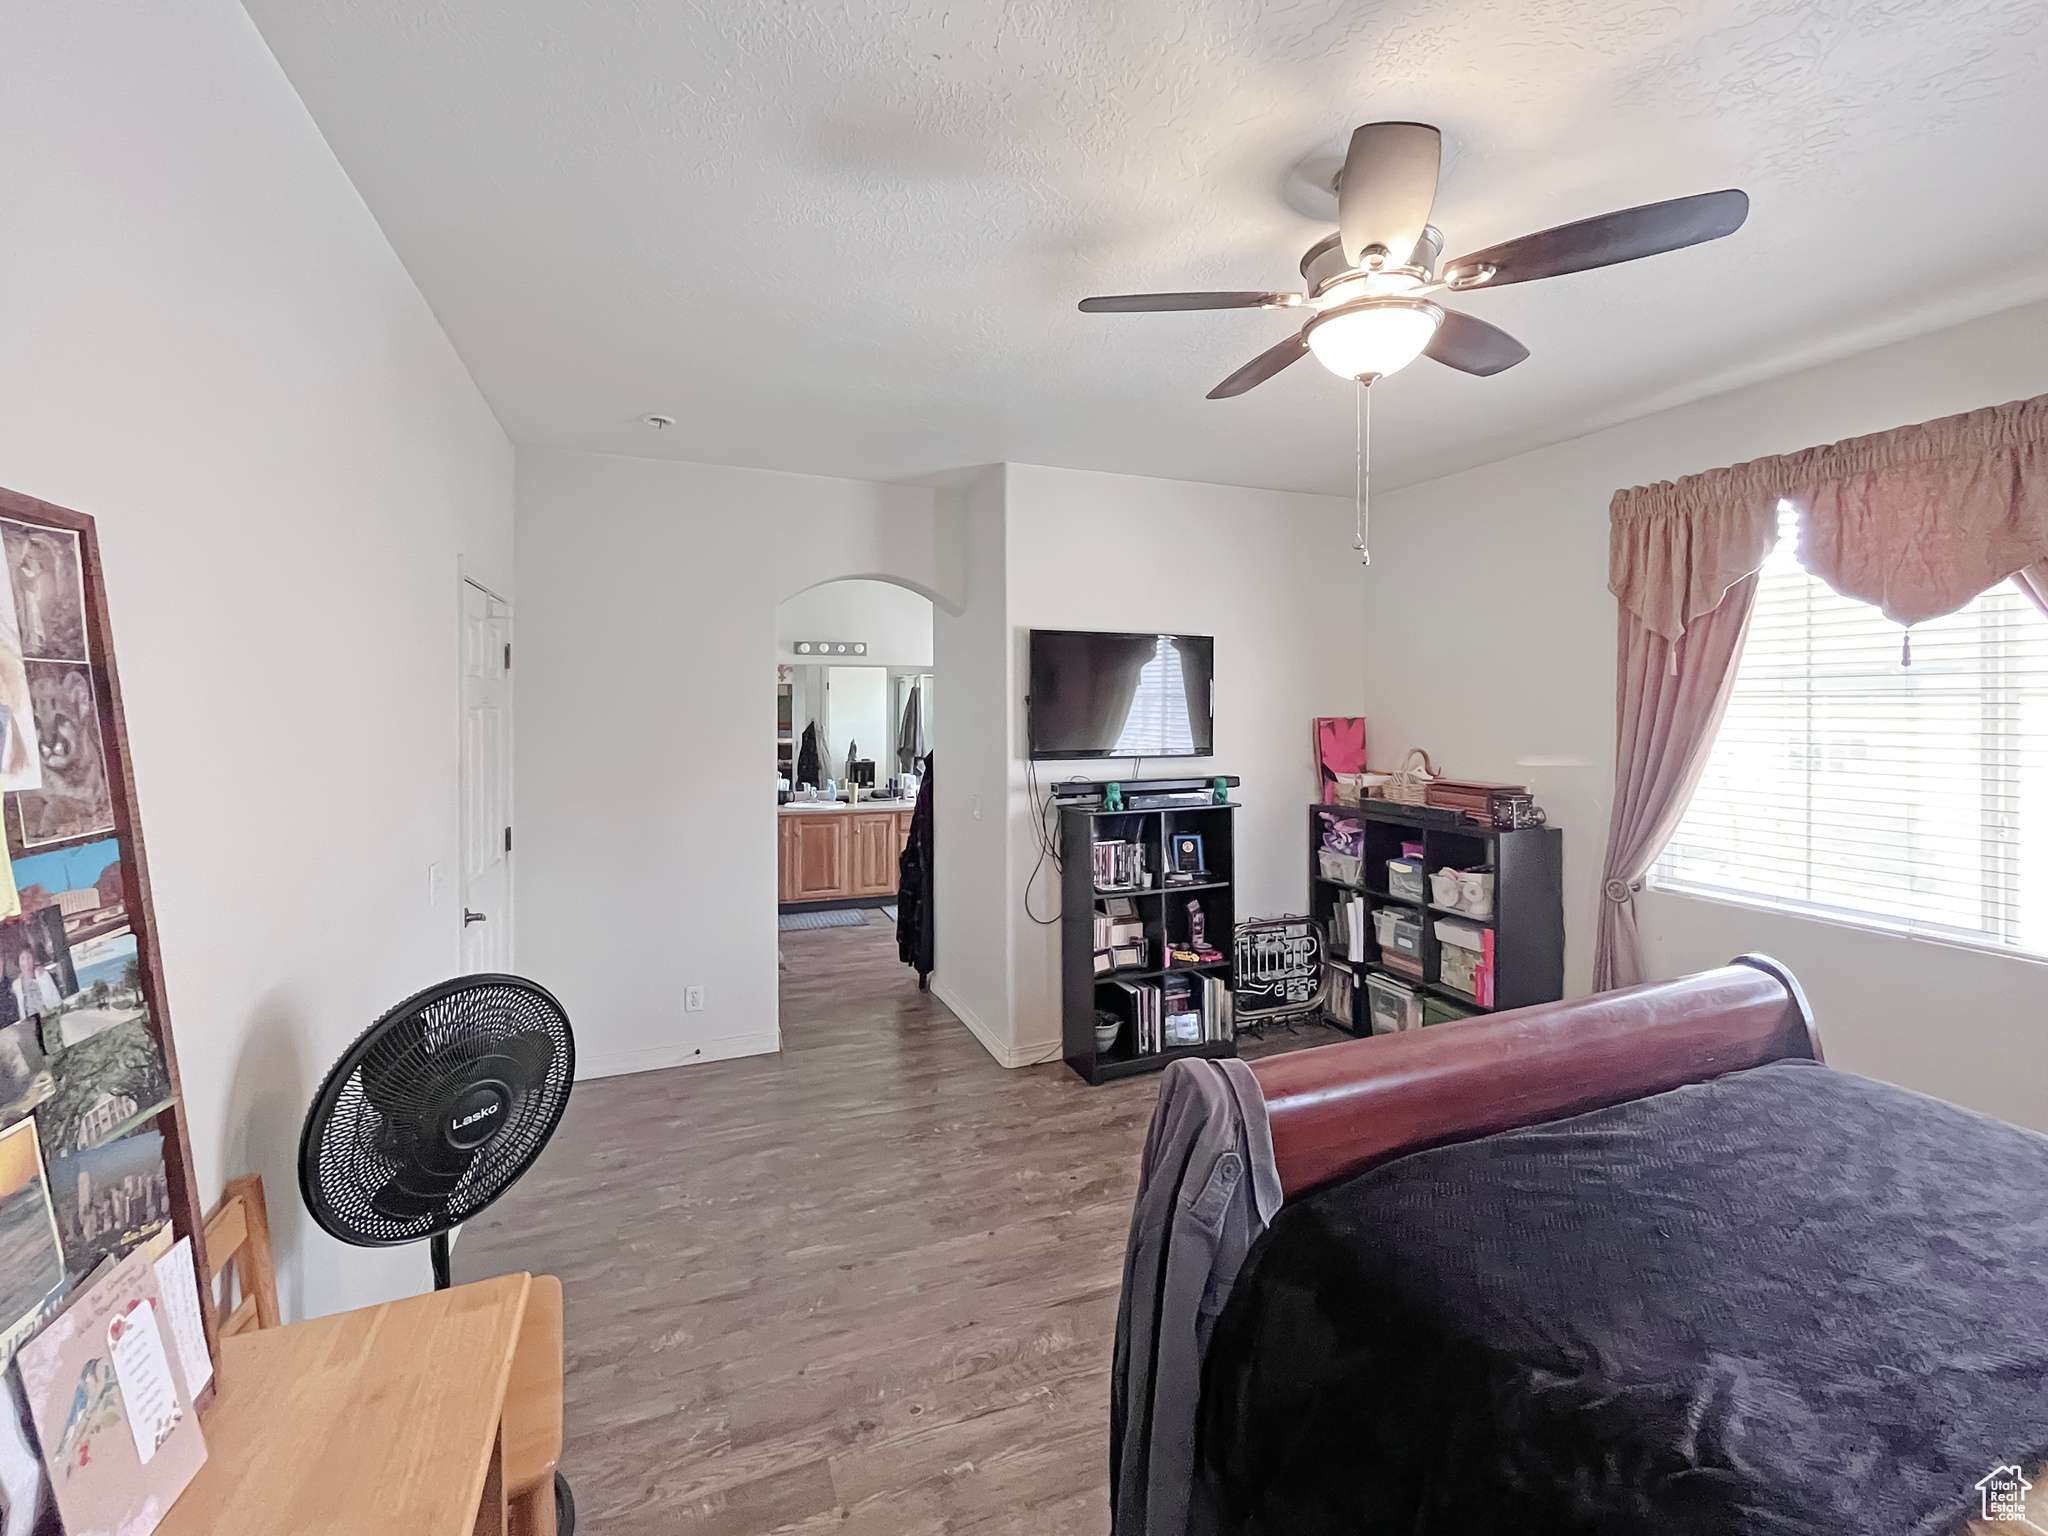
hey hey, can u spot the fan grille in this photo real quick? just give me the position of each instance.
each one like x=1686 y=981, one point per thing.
x=375 y=1125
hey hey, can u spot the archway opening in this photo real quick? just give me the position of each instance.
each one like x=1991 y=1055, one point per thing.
x=855 y=698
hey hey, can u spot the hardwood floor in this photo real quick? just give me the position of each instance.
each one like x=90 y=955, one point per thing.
x=867 y=1285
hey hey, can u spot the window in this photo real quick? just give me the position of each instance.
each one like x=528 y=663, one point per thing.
x=1847 y=784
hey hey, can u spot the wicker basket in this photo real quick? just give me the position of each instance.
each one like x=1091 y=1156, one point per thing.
x=1410 y=785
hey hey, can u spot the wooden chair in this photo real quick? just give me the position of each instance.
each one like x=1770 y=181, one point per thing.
x=238 y=1236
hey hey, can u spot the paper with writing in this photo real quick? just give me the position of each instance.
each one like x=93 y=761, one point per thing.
x=178 y=1289
x=144 y=1372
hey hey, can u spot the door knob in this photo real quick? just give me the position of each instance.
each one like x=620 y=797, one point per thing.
x=469 y=917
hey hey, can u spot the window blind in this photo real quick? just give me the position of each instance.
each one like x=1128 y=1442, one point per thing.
x=1848 y=784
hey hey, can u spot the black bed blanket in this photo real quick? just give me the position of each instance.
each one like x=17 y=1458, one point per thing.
x=1791 y=1300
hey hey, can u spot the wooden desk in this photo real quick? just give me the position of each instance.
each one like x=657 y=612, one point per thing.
x=381 y=1420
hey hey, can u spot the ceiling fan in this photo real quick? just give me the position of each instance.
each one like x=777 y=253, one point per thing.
x=1369 y=284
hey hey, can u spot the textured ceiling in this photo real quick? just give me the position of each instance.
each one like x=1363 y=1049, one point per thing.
x=847 y=238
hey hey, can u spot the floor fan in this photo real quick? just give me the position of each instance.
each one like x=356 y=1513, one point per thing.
x=435 y=1112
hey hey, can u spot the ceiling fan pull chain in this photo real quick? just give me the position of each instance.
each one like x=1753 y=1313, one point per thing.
x=1360 y=472
x=1362 y=468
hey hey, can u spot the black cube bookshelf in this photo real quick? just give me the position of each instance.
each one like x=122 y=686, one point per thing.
x=1163 y=909
x=1528 y=902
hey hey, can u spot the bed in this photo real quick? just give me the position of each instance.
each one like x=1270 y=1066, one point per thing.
x=1635 y=1263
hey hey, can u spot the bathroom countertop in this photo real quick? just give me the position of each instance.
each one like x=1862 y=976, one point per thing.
x=812 y=807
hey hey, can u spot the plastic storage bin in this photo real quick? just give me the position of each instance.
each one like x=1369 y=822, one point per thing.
x=1404 y=879
x=1394 y=1006
x=1464 y=958
x=1401 y=946
x=1344 y=868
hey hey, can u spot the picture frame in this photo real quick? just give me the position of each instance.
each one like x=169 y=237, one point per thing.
x=1186 y=854
x=64 y=641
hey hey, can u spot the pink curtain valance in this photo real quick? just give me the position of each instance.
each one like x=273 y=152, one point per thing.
x=1915 y=521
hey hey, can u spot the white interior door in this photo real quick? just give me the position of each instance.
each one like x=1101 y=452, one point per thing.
x=486 y=781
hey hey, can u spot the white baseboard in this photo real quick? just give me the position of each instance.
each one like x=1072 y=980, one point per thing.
x=659 y=1058
x=1028 y=1055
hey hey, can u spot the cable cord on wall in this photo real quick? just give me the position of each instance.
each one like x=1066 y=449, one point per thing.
x=1047 y=830
x=1045 y=827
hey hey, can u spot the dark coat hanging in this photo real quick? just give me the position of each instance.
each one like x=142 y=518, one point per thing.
x=915 y=939
x=808 y=768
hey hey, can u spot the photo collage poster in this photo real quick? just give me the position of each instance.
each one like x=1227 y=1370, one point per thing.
x=80 y=1066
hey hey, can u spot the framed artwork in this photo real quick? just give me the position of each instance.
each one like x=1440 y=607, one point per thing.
x=85 y=1034
x=1340 y=749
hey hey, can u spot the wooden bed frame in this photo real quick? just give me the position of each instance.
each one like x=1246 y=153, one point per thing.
x=1341 y=1109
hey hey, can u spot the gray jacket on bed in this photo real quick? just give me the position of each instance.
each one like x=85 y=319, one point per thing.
x=1207 y=1188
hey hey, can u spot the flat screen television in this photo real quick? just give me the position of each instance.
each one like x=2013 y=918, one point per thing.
x=1119 y=695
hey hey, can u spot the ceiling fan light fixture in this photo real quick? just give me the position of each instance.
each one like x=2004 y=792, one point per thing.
x=1372 y=338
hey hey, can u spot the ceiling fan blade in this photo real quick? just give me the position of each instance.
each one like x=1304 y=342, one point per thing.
x=1386 y=189
x=1473 y=346
x=1262 y=367
x=1142 y=303
x=1627 y=235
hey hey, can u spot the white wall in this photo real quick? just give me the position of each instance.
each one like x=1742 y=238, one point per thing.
x=1496 y=582
x=971 y=769
x=1270 y=574
x=895 y=622
x=211 y=349
x=647 y=715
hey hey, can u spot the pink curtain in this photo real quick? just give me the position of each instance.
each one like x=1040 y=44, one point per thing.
x=1669 y=699
x=1918 y=521
x=1915 y=521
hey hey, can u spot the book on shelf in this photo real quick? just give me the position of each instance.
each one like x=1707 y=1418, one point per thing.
x=1146 y=1015
x=1349 y=923
x=1339 y=1002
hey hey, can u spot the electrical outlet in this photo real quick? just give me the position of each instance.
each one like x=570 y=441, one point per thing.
x=977 y=807
x=433 y=885
x=693 y=999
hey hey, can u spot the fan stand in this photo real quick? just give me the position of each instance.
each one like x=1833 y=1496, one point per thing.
x=437 y=1246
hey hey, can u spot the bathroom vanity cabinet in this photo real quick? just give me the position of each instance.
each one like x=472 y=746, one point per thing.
x=839 y=852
